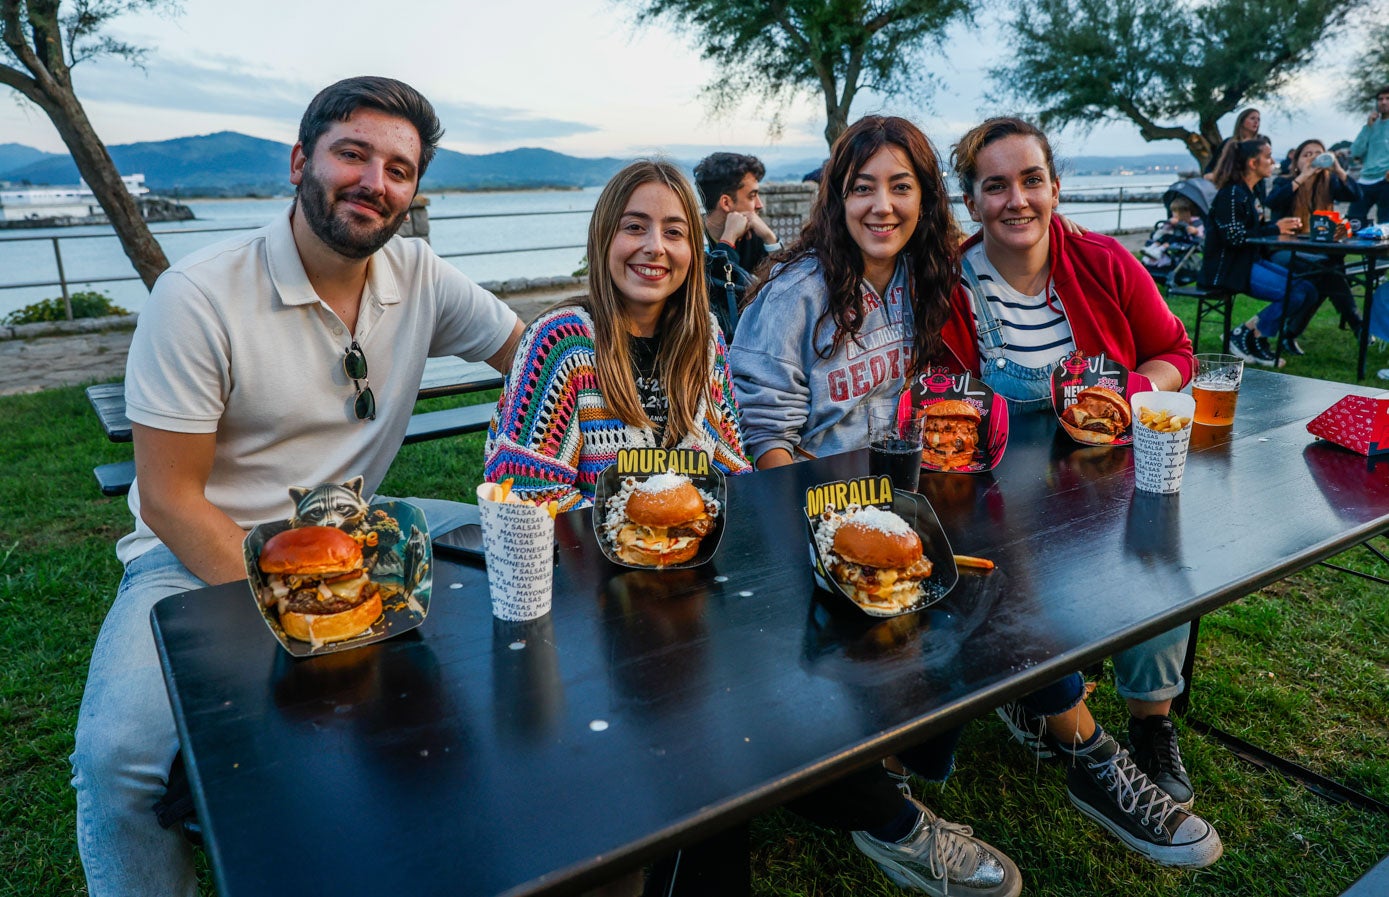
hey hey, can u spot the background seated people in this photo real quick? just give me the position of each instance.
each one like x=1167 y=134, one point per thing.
x=1246 y=128
x=854 y=307
x=1231 y=263
x=1316 y=181
x=1371 y=147
x=1031 y=293
x=738 y=239
x=637 y=363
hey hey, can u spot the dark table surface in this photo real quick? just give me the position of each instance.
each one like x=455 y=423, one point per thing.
x=1372 y=250
x=650 y=709
x=445 y=376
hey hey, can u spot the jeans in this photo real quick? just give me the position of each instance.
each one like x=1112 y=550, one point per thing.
x=1268 y=282
x=1371 y=195
x=125 y=743
x=1147 y=671
x=1026 y=389
x=126 y=738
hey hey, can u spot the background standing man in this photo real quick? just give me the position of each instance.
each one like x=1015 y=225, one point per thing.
x=737 y=237
x=1372 y=147
x=249 y=373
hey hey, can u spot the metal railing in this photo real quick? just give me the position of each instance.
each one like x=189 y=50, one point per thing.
x=63 y=281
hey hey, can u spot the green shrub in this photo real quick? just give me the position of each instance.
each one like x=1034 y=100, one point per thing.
x=89 y=304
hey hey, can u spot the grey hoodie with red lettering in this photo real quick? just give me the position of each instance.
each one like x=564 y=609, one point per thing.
x=790 y=395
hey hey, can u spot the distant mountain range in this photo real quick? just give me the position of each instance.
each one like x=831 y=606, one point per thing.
x=232 y=164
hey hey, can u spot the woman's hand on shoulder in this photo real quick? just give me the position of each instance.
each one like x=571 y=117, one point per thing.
x=1071 y=228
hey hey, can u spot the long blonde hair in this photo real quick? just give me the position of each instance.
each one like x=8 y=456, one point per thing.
x=682 y=364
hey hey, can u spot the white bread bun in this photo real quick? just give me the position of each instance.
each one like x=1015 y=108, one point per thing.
x=877 y=538
x=310 y=551
x=320 y=629
x=670 y=501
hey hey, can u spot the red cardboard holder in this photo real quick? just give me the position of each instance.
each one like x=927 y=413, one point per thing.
x=1359 y=423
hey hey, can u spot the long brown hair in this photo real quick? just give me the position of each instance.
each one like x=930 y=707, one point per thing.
x=1315 y=192
x=682 y=364
x=933 y=250
x=1234 y=160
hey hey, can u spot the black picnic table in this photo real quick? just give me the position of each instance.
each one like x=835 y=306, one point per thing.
x=651 y=709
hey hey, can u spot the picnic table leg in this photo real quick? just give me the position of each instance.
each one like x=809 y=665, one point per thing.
x=1371 y=277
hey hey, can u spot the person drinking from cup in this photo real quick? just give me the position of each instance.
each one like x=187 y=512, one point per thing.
x=1031 y=292
x=639 y=362
x=853 y=308
x=1230 y=263
x=1316 y=181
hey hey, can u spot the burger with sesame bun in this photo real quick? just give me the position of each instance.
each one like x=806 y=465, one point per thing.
x=317 y=582
x=664 y=521
x=876 y=559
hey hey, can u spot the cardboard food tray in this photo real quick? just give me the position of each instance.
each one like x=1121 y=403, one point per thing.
x=917 y=511
x=1078 y=371
x=403 y=569
x=610 y=482
x=938 y=385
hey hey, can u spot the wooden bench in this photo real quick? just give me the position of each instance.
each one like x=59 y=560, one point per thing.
x=1209 y=301
x=445 y=376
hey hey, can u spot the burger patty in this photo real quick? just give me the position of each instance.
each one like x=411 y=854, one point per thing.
x=872 y=577
x=331 y=597
x=697 y=528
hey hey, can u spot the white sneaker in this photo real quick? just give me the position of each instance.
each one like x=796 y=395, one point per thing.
x=1383 y=374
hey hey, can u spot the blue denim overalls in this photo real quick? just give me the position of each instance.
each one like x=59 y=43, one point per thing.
x=1026 y=389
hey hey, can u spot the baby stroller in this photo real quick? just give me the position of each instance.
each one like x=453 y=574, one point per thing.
x=1173 y=254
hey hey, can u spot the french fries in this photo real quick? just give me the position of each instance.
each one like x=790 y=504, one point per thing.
x=966 y=560
x=1162 y=421
x=501 y=493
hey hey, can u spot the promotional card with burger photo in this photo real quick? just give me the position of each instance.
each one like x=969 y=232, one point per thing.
x=1089 y=394
x=965 y=424
x=660 y=508
x=881 y=549
x=340 y=573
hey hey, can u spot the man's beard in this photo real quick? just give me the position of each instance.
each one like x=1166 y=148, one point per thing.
x=354 y=242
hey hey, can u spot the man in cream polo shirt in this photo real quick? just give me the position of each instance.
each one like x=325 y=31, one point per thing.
x=291 y=356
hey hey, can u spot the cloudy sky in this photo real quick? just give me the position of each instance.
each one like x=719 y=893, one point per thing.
x=574 y=76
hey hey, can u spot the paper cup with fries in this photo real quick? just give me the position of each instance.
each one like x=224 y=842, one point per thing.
x=518 y=540
x=1161 y=437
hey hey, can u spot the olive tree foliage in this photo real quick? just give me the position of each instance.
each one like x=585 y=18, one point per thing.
x=775 y=50
x=1369 y=73
x=1172 y=68
x=40 y=42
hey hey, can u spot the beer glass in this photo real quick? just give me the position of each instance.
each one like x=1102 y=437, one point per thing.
x=1216 y=388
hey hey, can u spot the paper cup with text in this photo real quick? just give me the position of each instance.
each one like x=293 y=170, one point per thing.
x=518 y=542
x=1159 y=458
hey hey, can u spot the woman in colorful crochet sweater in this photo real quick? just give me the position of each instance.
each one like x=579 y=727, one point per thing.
x=638 y=363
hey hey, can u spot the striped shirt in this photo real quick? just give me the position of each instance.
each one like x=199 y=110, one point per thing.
x=1035 y=334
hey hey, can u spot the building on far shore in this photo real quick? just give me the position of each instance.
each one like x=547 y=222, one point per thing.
x=35 y=203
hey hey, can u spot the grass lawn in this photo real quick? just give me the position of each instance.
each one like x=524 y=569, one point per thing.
x=1301 y=668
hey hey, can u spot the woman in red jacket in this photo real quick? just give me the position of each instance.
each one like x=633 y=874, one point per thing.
x=1033 y=292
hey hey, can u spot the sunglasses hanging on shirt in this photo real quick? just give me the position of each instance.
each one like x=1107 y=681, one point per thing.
x=354 y=365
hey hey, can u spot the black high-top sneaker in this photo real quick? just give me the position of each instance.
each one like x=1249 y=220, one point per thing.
x=1153 y=746
x=1105 y=784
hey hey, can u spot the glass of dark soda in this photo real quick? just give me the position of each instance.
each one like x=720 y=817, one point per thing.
x=894 y=445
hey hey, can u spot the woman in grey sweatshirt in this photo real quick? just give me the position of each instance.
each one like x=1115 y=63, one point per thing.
x=856 y=304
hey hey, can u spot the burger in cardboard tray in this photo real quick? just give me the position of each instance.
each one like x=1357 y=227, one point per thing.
x=340 y=573
x=661 y=508
x=965 y=427
x=882 y=549
x=1089 y=395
